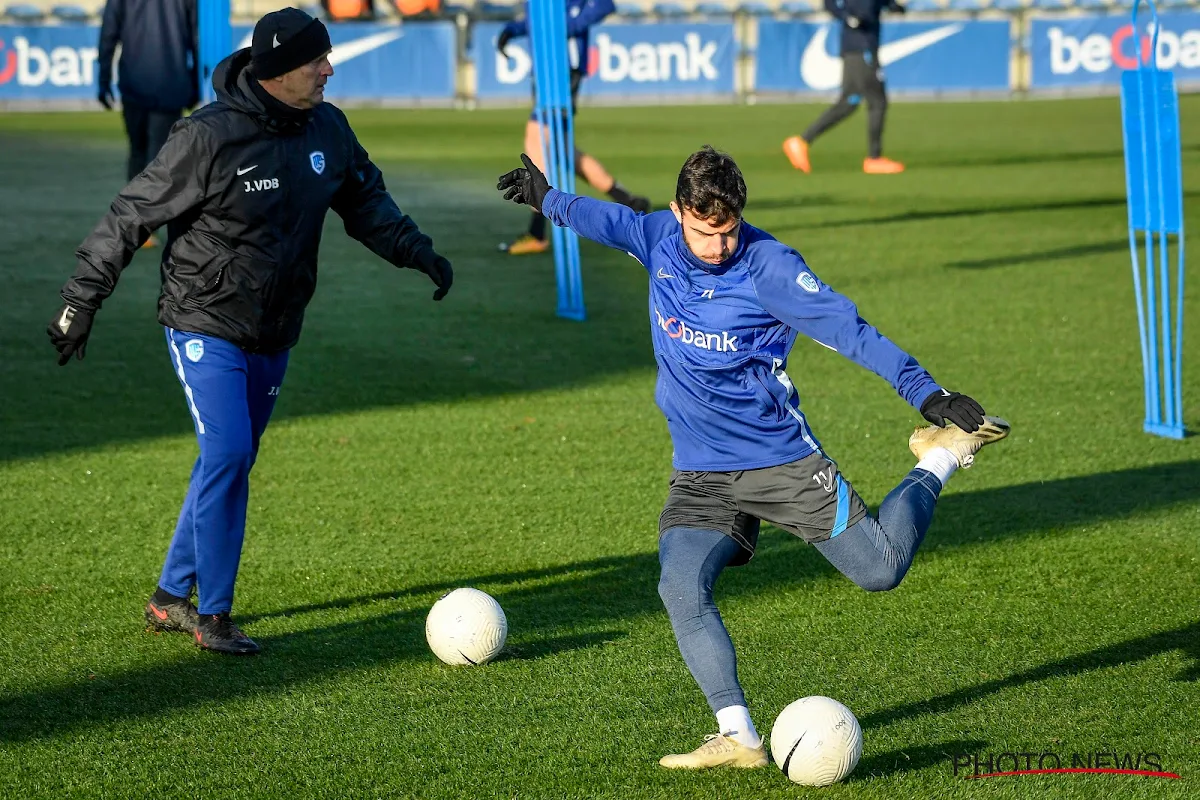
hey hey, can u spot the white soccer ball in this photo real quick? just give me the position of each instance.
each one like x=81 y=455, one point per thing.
x=466 y=626
x=816 y=741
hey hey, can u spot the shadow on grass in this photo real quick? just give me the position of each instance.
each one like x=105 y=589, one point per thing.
x=1186 y=639
x=1024 y=159
x=913 y=759
x=965 y=211
x=598 y=595
x=1058 y=254
x=799 y=200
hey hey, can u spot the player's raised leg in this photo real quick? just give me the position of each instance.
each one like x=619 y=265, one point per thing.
x=535 y=239
x=691 y=560
x=591 y=170
x=876 y=552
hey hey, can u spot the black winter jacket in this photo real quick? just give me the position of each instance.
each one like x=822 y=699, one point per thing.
x=244 y=185
x=159 y=58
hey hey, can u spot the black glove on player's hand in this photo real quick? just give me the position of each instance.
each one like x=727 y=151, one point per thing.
x=943 y=406
x=437 y=268
x=69 y=332
x=526 y=186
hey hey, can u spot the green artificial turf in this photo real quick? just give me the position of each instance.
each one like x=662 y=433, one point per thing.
x=481 y=441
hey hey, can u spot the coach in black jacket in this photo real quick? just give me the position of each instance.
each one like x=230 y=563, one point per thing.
x=158 y=69
x=244 y=185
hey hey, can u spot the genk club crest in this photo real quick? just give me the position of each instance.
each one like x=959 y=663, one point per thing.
x=317 y=159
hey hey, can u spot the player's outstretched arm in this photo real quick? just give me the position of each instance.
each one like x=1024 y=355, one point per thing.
x=791 y=292
x=610 y=224
x=173 y=183
x=371 y=216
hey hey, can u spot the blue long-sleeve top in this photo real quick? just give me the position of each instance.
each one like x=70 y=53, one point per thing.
x=722 y=334
x=581 y=16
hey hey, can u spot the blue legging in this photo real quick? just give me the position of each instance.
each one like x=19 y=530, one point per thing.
x=874 y=553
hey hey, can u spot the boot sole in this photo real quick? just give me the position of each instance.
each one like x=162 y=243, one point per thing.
x=225 y=651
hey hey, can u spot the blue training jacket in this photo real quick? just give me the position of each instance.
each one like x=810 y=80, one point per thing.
x=581 y=16
x=722 y=335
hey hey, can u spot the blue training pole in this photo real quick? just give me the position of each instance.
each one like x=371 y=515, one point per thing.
x=1154 y=188
x=215 y=41
x=551 y=73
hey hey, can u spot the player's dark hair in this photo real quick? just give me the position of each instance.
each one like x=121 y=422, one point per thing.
x=711 y=186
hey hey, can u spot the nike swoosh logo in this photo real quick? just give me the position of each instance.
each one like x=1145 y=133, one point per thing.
x=64 y=322
x=158 y=612
x=346 y=50
x=247 y=169
x=357 y=47
x=821 y=71
x=662 y=274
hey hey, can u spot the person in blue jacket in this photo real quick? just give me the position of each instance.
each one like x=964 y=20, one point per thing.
x=158 y=68
x=727 y=301
x=581 y=16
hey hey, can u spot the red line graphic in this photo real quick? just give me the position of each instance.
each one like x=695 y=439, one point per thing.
x=1144 y=772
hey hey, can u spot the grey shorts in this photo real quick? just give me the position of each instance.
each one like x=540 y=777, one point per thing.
x=808 y=498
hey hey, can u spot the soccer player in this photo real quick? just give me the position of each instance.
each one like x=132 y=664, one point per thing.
x=581 y=16
x=244 y=185
x=862 y=78
x=727 y=301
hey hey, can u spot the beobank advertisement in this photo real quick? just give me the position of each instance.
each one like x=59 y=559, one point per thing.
x=48 y=62
x=371 y=61
x=1094 y=51
x=623 y=59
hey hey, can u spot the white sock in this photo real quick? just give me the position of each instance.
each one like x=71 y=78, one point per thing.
x=734 y=722
x=941 y=462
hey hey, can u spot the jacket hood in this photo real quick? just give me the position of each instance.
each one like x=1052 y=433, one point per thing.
x=238 y=89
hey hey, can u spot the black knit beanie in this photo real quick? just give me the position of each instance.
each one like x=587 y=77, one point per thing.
x=284 y=40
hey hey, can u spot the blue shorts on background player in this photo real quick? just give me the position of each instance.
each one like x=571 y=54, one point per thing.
x=581 y=16
x=727 y=301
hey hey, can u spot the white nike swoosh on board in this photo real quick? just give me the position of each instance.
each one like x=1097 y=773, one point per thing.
x=353 y=49
x=347 y=50
x=821 y=71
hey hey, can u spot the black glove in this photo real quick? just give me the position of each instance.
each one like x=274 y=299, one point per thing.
x=69 y=332
x=852 y=21
x=942 y=407
x=437 y=268
x=106 y=96
x=501 y=43
x=527 y=186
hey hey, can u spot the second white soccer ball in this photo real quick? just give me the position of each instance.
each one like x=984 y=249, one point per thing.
x=466 y=627
x=816 y=741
